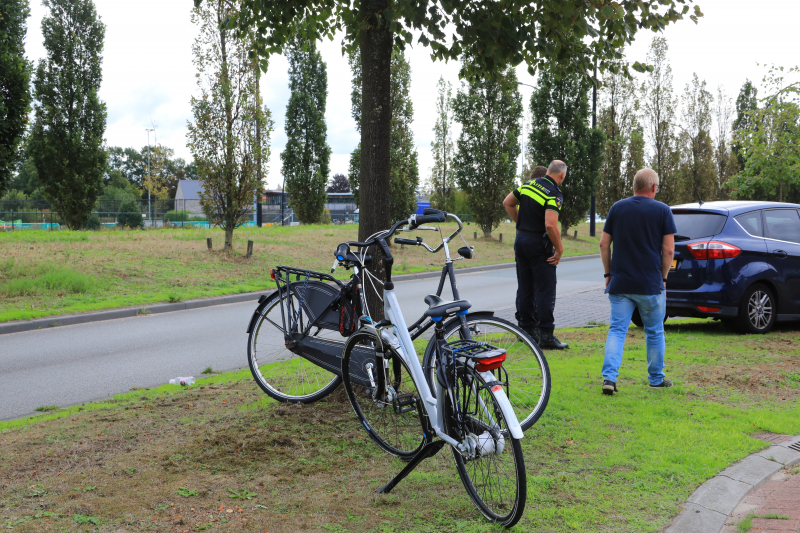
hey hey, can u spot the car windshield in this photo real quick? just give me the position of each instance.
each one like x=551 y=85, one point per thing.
x=697 y=225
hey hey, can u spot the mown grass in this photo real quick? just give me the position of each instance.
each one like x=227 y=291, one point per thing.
x=50 y=273
x=594 y=463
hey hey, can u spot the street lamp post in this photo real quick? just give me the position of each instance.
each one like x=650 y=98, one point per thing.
x=149 y=178
x=522 y=155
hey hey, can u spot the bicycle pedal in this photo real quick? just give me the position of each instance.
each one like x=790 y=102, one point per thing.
x=405 y=403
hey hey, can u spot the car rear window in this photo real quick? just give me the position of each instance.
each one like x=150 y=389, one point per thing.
x=697 y=225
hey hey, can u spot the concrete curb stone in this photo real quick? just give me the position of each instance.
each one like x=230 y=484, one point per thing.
x=70 y=320
x=708 y=508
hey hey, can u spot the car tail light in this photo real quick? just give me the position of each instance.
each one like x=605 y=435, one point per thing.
x=708 y=309
x=713 y=250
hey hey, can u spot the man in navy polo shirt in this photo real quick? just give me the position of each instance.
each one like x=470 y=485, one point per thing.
x=643 y=232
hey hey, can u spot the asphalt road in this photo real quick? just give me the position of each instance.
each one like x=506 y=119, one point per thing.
x=71 y=365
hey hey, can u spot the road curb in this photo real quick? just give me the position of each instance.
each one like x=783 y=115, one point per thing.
x=709 y=507
x=113 y=314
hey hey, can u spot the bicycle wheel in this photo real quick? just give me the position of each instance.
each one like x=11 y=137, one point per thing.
x=528 y=373
x=392 y=420
x=281 y=374
x=494 y=474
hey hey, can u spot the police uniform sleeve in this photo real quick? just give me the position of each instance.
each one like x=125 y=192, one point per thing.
x=555 y=203
x=517 y=194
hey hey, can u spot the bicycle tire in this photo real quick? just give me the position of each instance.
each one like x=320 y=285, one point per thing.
x=496 y=482
x=281 y=374
x=528 y=372
x=397 y=433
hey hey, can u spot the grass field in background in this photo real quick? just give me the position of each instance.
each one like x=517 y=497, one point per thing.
x=46 y=273
x=222 y=455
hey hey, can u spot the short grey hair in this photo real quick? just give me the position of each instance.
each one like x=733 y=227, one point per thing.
x=557 y=167
x=644 y=180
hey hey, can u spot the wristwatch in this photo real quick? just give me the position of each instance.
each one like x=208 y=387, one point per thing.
x=665 y=280
x=607 y=275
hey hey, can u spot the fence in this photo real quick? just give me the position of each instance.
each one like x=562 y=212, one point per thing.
x=39 y=214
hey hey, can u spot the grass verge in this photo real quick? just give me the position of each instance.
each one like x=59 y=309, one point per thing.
x=222 y=455
x=51 y=273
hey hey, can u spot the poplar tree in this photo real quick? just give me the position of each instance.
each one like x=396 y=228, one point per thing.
x=400 y=196
x=442 y=176
x=727 y=163
x=560 y=130
x=489 y=110
x=15 y=78
x=697 y=171
x=659 y=108
x=227 y=113
x=744 y=123
x=624 y=142
x=306 y=158
x=67 y=135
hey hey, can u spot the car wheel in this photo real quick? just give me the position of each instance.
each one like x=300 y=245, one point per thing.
x=757 y=311
x=636 y=318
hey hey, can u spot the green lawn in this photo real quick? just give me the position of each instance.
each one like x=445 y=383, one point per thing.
x=166 y=458
x=51 y=273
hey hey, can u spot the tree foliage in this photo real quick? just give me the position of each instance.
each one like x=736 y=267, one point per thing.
x=403 y=158
x=442 y=179
x=15 y=77
x=659 y=108
x=339 y=183
x=489 y=111
x=560 y=130
x=222 y=136
x=743 y=124
x=727 y=163
x=770 y=144
x=306 y=158
x=624 y=144
x=697 y=169
x=67 y=134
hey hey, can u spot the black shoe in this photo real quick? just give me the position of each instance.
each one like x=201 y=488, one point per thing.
x=663 y=385
x=551 y=341
x=534 y=332
x=609 y=387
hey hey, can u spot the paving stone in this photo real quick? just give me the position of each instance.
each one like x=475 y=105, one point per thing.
x=780 y=454
x=697 y=519
x=752 y=470
x=720 y=494
x=760 y=524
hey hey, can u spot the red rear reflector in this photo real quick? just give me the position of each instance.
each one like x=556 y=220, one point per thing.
x=490 y=363
x=497 y=388
x=713 y=250
x=272 y=273
x=708 y=309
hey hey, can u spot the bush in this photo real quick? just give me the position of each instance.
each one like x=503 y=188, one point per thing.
x=94 y=222
x=130 y=215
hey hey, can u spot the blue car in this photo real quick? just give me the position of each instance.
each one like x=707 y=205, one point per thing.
x=738 y=262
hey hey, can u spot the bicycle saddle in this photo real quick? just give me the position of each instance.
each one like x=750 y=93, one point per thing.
x=440 y=308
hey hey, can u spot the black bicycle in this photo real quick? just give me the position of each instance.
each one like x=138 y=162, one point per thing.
x=297 y=333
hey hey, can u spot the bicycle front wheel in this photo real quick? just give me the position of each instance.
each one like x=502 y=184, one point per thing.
x=528 y=372
x=280 y=373
x=391 y=417
x=494 y=472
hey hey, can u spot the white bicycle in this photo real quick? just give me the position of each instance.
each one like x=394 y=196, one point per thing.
x=469 y=409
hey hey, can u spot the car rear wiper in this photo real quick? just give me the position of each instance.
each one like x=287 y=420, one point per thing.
x=682 y=238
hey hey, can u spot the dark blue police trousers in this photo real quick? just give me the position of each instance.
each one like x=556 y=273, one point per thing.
x=536 y=281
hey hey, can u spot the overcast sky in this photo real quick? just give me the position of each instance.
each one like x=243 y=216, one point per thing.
x=148 y=75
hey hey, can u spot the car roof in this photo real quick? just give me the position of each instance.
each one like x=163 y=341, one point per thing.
x=731 y=207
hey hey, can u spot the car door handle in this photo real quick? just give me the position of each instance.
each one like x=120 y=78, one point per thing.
x=780 y=254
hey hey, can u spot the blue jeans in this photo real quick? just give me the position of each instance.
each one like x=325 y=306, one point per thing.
x=652 y=308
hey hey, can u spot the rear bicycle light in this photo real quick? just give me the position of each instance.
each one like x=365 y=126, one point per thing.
x=272 y=273
x=490 y=363
x=713 y=250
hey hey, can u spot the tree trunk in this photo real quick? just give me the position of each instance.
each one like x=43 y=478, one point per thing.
x=376 y=116
x=228 y=236
x=487 y=234
x=564 y=230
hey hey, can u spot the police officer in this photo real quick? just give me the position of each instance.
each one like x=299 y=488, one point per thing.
x=535 y=206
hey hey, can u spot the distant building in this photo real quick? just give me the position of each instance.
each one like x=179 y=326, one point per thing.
x=187 y=197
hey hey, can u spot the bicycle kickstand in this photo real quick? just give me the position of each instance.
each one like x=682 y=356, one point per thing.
x=428 y=450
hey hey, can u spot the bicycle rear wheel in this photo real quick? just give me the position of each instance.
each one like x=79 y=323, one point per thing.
x=392 y=418
x=528 y=372
x=280 y=373
x=494 y=476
